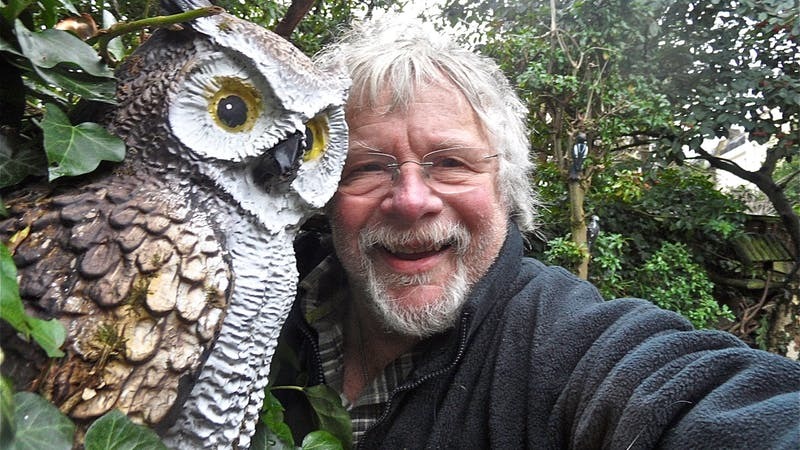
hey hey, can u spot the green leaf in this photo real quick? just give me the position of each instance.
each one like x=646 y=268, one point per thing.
x=90 y=88
x=115 y=431
x=272 y=417
x=333 y=417
x=67 y=4
x=115 y=46
x=265 y=439
x=13 y=8
x=76 y=150
x=40 y=425
x=7 y=47
x=7 y=408
x=51 y=47
x=321 y=440
x=48 y=334
x=16 y=165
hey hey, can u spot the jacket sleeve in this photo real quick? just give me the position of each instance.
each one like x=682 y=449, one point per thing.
x=650 y=381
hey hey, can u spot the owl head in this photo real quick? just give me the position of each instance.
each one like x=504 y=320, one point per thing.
x=239 y=110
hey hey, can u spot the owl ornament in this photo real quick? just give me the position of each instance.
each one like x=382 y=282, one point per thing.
x=173 y=271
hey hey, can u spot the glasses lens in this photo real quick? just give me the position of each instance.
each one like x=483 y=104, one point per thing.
x=448 y=171
x=367 y=174
x=457 y=170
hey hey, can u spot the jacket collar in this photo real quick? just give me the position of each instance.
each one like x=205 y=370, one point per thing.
x=445 y=349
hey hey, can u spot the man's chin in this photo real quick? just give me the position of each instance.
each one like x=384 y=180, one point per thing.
x=418 y=310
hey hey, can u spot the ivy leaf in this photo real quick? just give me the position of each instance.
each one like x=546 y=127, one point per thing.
x=115 y=431
x=17 y=164
x=51 y=47
x=7 y=408
x=76 y=150
x=332 y=416
x=321 y=440
x=49 y=334
x=90 y=88
x=40 y=424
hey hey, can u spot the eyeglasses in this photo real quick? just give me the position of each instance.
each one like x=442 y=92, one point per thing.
x=447 y=171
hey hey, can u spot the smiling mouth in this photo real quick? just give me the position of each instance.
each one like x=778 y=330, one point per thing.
x=413 y=254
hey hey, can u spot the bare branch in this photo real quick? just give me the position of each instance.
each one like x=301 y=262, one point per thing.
x=297 y=10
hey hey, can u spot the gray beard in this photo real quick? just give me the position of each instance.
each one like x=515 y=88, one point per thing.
x=417 y=321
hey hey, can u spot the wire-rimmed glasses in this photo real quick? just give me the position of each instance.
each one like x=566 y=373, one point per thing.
x=447 y=171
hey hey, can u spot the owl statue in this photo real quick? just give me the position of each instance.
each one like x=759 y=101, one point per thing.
x=173 y=271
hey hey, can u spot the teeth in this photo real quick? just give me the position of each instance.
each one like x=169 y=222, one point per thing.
x=431 y=247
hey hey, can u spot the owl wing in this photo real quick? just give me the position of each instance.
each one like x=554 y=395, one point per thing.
x=140 y=282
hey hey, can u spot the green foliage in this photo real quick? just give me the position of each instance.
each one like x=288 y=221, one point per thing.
x=676 y=204
x=55 y=67
x=732 y=63
x=672 y=280
x=322 y=23
x=29 y=422
x=7 y=410
x=564 y=252
x=76 y=150
x=49 y=334
x=607 y=265
x=641 y=209
x=332 y=416
x=275 y=433
x=583 y=75
x=39 y=424
x=115 y=431
x=321 y=440
x=335 y=428
x=787 y=173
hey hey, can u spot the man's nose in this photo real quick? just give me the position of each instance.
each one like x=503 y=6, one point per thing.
x=411 y=198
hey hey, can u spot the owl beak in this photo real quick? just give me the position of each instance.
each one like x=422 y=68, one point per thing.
x=280 y=162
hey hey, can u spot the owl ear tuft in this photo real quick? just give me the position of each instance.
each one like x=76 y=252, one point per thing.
x=179 y=6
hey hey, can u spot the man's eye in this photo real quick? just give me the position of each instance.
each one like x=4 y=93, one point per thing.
x=368 y=167
x=448 y=162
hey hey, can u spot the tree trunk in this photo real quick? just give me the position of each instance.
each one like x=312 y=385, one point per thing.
x=578 y=223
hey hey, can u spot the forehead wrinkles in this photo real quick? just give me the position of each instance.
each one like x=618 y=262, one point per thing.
x=357 y=144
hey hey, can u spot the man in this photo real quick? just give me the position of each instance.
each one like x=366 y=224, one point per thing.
x=437 y=331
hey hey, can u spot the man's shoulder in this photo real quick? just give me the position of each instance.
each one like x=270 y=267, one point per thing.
x=551 y=294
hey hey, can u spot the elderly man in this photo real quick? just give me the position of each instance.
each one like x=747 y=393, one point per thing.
x=435 y=329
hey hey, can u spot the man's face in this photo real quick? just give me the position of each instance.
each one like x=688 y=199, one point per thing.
x=412 y=252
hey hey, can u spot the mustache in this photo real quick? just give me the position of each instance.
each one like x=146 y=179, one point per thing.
x=432 y=235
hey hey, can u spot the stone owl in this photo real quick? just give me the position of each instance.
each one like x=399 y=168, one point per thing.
x=173 y=271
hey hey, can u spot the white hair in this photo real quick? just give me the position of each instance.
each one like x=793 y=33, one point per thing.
x=404 y=54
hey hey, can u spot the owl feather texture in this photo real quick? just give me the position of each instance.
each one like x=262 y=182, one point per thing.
x=173 y=271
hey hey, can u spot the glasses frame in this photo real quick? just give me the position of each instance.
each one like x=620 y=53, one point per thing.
x=397 y=165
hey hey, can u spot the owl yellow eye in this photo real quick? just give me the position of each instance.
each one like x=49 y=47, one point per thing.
x=316 y=138
x=235 y=105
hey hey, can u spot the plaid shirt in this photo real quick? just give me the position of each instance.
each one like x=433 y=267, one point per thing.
x=324 y=308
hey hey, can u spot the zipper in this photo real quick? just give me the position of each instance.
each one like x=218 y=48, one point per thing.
x=305 y=328
x=407 y=387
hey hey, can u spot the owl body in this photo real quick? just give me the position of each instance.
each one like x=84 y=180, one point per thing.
x=173 y=272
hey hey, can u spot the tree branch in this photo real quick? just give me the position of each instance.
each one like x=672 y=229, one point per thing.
x=103 y=37
x=297 y=10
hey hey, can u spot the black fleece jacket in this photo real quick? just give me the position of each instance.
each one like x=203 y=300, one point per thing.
x=539 y=360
